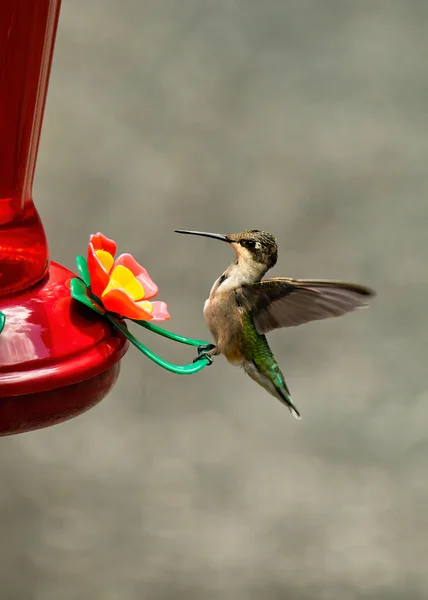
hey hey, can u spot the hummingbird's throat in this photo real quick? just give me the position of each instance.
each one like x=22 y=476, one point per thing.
x=246 y=268
x=239 y=273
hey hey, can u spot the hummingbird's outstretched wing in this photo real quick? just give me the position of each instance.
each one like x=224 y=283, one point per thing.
x=283 y=302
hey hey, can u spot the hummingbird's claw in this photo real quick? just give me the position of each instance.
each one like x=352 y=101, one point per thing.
x=204 y=352
x=204 y=355
x=205 y=348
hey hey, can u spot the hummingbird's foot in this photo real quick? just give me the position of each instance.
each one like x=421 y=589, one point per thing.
x=205 y=348
x=204 y=355
x=206 y=351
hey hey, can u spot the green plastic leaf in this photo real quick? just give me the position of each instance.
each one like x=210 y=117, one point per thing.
x=80 y=292
x=2 y=321
x=82 y=267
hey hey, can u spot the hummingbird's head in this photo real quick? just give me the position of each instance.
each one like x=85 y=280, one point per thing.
x=255 y=246
x=256 y=250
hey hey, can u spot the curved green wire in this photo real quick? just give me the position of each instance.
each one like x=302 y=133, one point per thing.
x=170 y=335
x=178 y=369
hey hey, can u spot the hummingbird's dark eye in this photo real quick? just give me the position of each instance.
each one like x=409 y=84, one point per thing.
x=250 y=244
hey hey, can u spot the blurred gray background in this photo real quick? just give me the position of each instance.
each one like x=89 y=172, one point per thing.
x=305 y=118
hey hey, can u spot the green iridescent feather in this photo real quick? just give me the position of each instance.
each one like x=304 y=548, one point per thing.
x=256 y=349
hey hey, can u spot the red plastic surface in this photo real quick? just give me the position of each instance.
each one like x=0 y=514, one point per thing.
x=35 y=411
x=57 y=358
x=27 y=37
x=50 y=340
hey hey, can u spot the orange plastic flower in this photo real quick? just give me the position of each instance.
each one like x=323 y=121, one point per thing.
x=123 y=286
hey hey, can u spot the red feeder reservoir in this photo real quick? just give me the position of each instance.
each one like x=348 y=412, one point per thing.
x=57 y=359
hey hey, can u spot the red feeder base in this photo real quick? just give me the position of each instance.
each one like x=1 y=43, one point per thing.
x=57 y=358
x=19 y=414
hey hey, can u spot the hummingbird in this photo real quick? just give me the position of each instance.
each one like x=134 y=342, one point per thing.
x=243 y=307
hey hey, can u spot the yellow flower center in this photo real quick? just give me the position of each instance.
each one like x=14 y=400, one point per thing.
x=105 y=258
x=123 y=279
x=148 y=306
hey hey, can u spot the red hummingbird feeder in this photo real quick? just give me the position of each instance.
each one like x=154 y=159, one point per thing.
x=57 y=357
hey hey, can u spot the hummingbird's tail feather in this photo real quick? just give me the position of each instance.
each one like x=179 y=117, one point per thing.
x=285 y=398
x=274 y=384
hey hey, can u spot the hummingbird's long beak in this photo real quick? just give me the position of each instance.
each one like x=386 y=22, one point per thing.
x=216 y=236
